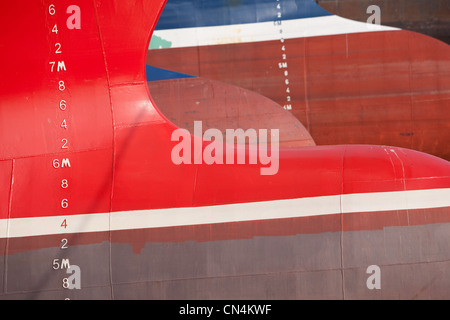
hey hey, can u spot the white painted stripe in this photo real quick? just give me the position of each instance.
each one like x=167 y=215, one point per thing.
x=265 y=31
x=3 y=228
x=401 y=200
x=278 y=209
x=37 y=226
x=226 y=213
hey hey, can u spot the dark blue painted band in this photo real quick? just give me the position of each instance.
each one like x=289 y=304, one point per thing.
x=203 y=13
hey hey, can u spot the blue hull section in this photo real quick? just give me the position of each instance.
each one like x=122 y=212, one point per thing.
x=205 y=13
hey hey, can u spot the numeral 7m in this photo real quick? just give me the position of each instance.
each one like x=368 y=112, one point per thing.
x=60 y=66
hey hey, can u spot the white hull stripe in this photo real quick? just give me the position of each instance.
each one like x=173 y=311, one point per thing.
x=278 y=209
x=264 y=31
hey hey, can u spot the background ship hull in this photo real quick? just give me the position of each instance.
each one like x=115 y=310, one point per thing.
x=431 y=18
x=387 y=87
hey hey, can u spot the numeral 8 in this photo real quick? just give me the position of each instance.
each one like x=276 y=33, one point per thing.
x=62 y=86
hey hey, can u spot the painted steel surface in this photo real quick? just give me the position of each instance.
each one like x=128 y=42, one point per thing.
x=347 y=82
x=431 y=18
x=93 y=206
x=427 y=17
x=221 y=106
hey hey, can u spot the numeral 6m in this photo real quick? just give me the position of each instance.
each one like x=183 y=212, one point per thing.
x=63 y=163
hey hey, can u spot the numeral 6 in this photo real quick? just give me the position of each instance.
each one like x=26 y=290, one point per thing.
x=51 y=9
